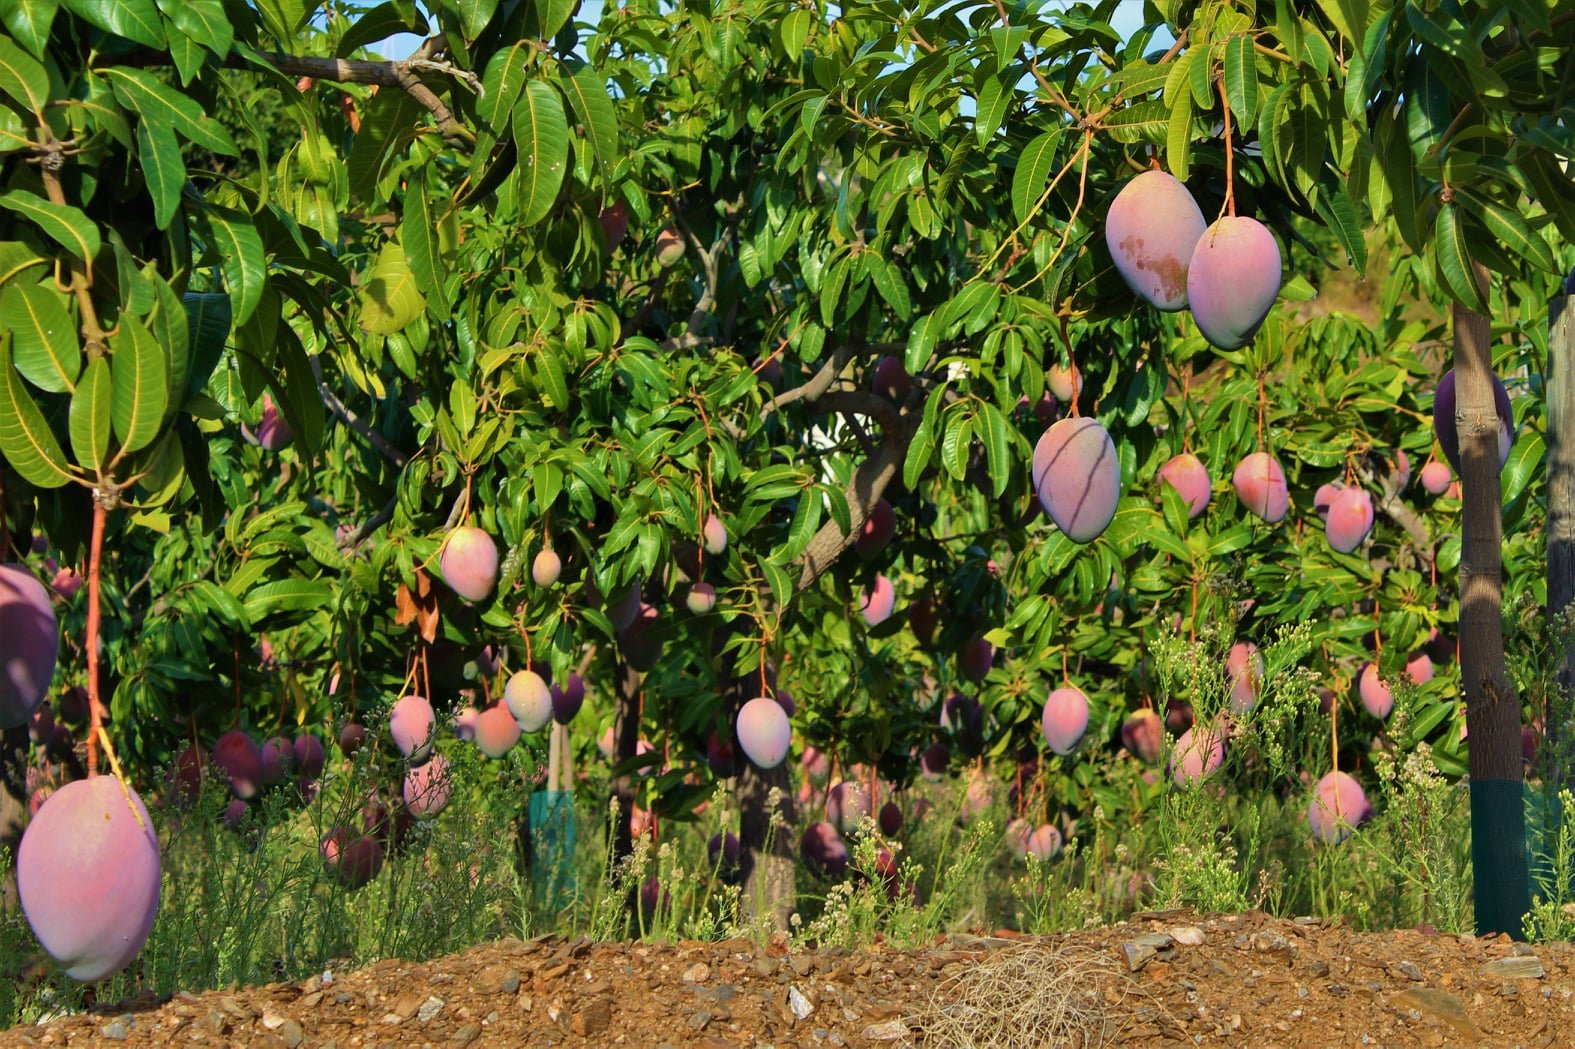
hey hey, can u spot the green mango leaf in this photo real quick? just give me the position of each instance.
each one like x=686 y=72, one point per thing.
x=17 y=259
x=1338 y=212
x=162 y=167
x=474 y=15
x=1241 y=79
x=26 y=441
x=233 y=236
x=1512 y=229
x=1523 y=464
x=43 y=336
x=995 y=98
x=1178 y=137
x=1034 y=165
x=22 y=77
x=63 y=224
x=390 y=298
x=418 y=237
x=88 y=423
x=388 y=121
x=141 y=384
x=297 y=394
x=161 y=104
x=541 y=135
x=207 y=329
x=203 y=21
x=501 y=85
x=287 y=596
x=29 y=21
x=380 y=23
x=133 y=19
x=593 y=108
x=163 y=471
x=1454 y=259
x=551 y=15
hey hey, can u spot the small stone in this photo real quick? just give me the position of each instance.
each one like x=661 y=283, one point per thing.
x=1523 y=967
x=510 y=984
x=699 y=1020
x=1144 y=949
x=1188 y=935
x=465 y=1035
x=887 y=1031
x=798 y=1003
x=429 y=1008
x=291 y=1033
x=115 y=1032
x=272 y=1020
x=1441 y=1006
x=1318 y=967
x=699 y=972
x=1409 y=970
x=215 y=1021
x=592 y=1020
x=802 y=964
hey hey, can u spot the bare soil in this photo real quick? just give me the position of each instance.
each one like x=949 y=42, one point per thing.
x=1162 y=979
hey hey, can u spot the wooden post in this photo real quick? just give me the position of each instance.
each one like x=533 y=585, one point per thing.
x=1560 y=391
x=1502 y=889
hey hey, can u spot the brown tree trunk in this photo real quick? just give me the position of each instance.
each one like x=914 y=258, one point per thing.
x=13 y=807
x=626 y=735
x=765 y=854
x=1498 y=834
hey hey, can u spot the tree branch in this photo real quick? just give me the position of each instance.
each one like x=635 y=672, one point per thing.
x=401 y=74
x=812 y=390
x=862 y=493
x=1390 y=503
x=354 y=421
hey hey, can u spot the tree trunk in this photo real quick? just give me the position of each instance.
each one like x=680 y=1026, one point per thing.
x=1560 y=392
x=765 y=855
x=626 y=735
x=13 y=807
x=1498 y=830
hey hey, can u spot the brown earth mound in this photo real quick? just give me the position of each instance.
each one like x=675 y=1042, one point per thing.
x=1164 y=979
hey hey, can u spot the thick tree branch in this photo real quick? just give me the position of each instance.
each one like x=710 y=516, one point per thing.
x=1390 y=503
x=354 y=421
x=403 y=74
x=707 y=301
x=812 y=390
x=862 y=493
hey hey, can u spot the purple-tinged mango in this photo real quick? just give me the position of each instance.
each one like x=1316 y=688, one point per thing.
x=529 y=699
x=846 y=804
x=976 y=658
x=237 y=756
x=496 y=731
x=1260 y=485
x=701 y=598
x=427 y=787
x=1065 y=382
x=1244 y=668
x=1444 y=427
x=546 y=567
x=764 y=731
x=1190 y=478
x=32 y=642
x=714 y=534
x=891 y=379
x=1419 y=668
x=1198 y=754
x=1044 y=843
x=933 y=762
x=1338 y=806
x=568 y=698
x=309 y=755
x=890 y=819
x=469 y=563
x=87 y=872
x=1323 y=498
x=1152 y=229
x=278 y=760
x=878 y=529
x=1143 y=734
x=1078 y=477
x=1435 y=477
x=412 y=723
x=1350 y=520
x=1376 y=696
x=878 y=601
x=1064 y=719
x=823 y=850
x=1232 y=280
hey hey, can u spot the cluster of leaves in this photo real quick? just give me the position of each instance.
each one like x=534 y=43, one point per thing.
x=449 y=328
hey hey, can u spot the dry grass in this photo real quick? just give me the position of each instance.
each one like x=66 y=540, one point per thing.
x=1025 y=997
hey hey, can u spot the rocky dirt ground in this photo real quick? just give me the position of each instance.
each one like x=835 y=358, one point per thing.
x=1163 y=979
